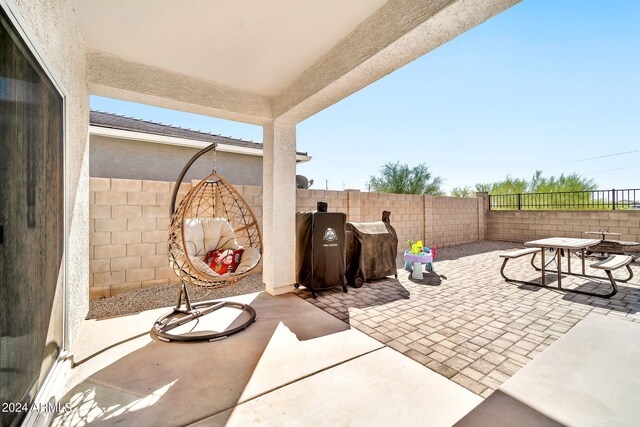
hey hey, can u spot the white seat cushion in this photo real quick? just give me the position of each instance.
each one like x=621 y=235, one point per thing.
x=202 y=267
x=250 y=258
x=208 y=234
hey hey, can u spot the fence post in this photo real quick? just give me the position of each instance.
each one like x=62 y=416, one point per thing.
x=519 y=202
x=483 y=206
x=613 y=198
x=354 y=205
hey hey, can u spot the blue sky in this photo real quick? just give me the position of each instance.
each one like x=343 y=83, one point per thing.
x=547 y=84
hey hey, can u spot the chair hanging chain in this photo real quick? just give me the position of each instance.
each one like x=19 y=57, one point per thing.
x=215 y=159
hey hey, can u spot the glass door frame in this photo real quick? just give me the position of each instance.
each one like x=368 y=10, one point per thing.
x=51 y=385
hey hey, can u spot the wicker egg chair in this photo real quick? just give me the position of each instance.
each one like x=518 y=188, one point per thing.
x=212 y=215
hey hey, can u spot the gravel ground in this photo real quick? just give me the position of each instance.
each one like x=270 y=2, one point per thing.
x=166 y=295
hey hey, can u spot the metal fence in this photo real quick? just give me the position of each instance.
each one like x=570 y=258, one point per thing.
x=585 y=200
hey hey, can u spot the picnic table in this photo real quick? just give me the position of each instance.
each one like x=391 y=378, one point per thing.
x=562 y=245
x=558 y=243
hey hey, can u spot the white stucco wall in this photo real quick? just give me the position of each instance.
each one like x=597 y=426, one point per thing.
x=51 y=26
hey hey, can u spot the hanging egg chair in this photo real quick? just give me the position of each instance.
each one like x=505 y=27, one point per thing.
x=212 y=218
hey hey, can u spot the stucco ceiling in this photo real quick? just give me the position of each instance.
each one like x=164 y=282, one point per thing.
x=254 y=45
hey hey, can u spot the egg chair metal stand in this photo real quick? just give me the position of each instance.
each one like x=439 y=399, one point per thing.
x=212 y=202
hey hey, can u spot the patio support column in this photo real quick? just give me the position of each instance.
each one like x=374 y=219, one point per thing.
x=279 y=207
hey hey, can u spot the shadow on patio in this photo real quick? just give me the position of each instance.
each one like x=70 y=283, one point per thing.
x=382 y=292
x=129 y=376
x=284 y=365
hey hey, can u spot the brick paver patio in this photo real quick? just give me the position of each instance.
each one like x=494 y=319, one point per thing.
x=465 y=322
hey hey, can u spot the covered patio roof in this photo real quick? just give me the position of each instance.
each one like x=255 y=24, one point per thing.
x=256 y=61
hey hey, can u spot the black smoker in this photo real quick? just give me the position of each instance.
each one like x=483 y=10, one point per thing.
x=320 y=249
x=372 y=248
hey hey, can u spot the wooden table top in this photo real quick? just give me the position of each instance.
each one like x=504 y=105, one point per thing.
x=562 y=242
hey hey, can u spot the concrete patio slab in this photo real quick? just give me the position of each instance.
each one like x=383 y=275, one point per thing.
x=125 y=376
x=589 y=377
x=380 y=388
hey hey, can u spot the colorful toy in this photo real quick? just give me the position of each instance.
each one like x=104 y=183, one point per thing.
x=417 y=248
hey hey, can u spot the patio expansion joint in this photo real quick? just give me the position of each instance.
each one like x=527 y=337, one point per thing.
x=311 y=374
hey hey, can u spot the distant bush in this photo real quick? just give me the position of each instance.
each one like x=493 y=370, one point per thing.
x=401 y=179
x=539 y=184
x=564 y=192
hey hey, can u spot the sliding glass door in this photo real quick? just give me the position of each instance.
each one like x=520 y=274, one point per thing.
x=32 y=224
